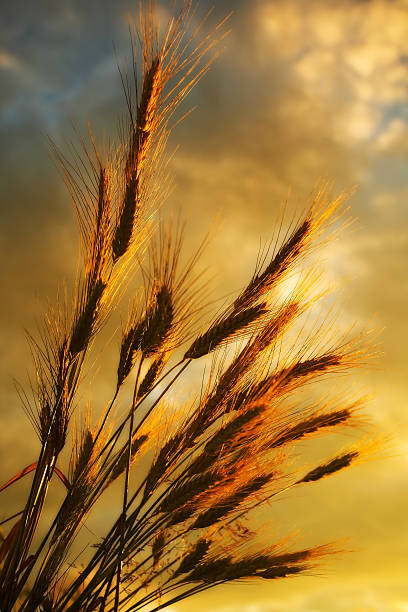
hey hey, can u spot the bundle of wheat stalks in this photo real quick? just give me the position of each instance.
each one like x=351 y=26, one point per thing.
x=188 y=474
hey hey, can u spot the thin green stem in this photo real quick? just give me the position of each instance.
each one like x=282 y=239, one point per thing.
x=126 y=488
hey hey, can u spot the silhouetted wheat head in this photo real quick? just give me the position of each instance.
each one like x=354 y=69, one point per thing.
x=191 y=473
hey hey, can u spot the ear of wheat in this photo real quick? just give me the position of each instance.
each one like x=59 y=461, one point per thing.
x=178 y=529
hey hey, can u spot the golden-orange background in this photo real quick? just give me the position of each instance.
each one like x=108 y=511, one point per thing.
x=303 y=90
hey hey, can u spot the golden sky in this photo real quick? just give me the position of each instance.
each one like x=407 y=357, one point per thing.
x=303 y=90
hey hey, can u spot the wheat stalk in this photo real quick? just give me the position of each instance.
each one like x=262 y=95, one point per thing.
x=188 y=473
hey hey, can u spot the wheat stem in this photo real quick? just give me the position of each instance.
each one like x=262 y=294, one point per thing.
x=126 y=488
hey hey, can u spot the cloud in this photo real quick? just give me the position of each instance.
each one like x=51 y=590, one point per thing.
x=303 y=90
x=8 y=61
x=344 y=58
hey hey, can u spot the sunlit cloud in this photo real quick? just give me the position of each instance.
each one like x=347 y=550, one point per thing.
x=303 y=91
x=8 y=61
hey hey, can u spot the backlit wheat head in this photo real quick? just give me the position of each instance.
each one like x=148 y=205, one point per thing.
x=189 y=472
